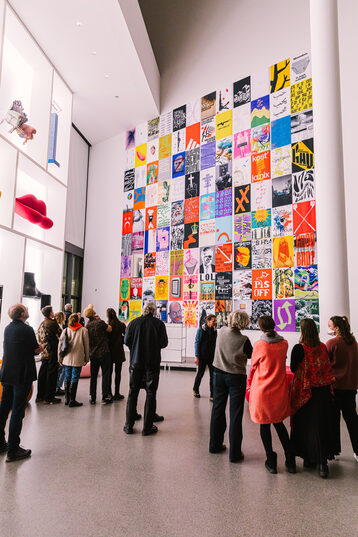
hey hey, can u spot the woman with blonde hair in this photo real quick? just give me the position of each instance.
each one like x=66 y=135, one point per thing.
x=269 y=397
x=343 y=355
x=77 y=355
x=229 y=379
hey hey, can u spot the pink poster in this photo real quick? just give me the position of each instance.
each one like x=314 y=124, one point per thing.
x=242 y=144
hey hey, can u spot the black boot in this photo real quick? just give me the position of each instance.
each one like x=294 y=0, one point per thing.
x=67 y=392
x=271 y=463
x=73 y=391
x=30 y=288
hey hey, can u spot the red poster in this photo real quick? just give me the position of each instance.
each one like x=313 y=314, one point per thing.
x=136 y=288
x=223 y=258
x=262 y=284
x=149 y=264
x=191 y=213
x=127 y=222
x=176 y=288
x=304 y=217
x=260 y=167
x=151 y=218
x=192 y=136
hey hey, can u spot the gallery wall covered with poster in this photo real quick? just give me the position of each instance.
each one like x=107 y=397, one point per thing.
x=35 y=125
x=219 y=204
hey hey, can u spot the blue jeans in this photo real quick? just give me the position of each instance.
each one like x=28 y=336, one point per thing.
x=227 y=384
x=72 y=373
x=14 y=398
x=60 y=376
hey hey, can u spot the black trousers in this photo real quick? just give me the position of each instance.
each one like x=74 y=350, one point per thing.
x=151 y=386
x=117 y=377
x=14 y=398
x=345 y=402
x=225 y=385
x=265 y=433
x=105 y=363
x=47 y=378
x=201 y=370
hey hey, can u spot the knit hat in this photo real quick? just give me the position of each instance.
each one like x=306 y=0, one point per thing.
x=46 y=311
x=89 y=311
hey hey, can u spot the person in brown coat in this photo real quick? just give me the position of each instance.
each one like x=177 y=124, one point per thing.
x=116 y=338
x=47 y=336
x=75 y=359
x=343 y=354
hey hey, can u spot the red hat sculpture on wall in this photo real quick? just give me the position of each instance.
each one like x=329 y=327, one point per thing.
x=33 y=210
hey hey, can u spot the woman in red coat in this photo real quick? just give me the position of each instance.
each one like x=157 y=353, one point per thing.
x=269 y=397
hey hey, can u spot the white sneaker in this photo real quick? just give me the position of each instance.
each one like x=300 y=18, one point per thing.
x=355 y=456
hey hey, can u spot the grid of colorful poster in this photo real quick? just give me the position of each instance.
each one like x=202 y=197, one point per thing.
x=222 y=211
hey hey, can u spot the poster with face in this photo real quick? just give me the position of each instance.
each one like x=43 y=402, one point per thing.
x=175 y=312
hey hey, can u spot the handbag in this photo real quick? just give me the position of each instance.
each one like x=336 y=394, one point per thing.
x=65 y=345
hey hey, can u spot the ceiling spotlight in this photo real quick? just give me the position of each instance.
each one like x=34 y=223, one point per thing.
x=116 y=96
x=93 y=52
x=106 y=76
x=79 y=23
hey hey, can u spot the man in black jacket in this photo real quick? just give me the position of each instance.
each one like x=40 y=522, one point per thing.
x=48 y=335
x=17 y=373
x=145 y=337
x=205 y=342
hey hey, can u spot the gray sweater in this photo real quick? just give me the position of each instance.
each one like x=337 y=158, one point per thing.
x=230 y=355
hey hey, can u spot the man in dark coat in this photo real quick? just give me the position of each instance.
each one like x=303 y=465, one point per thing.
x=145 y=337
x=17 y=373
x=205 y=342
x=48 y=335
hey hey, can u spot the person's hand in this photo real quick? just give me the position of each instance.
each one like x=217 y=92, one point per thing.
x=38 y=350
x=197 y=360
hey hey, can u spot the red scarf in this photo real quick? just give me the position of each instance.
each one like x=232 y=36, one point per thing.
x=76 y=326
x=313 y=372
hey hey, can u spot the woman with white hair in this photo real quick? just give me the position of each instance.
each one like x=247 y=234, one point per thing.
x=231 y=354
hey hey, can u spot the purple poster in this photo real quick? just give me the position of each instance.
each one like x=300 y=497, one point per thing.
x=223 y=203
x=284 y=315
x=208 y=155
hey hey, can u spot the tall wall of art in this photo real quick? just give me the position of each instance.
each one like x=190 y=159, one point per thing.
x=35 y=126
x=219 y=204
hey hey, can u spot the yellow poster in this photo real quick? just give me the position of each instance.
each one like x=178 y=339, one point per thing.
x=161 y=287
x=283 y=254
x=165 y=146
x=301 y=96
x=135 y=309
x=140 y=155
x=280 y=75
x=224 y=124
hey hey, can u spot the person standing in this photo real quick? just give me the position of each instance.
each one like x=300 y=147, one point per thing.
x=100 y=356
x=60 y=319
x=17 y=373
x=67 y=312
x=205 y=342
x=343 y=355
x=116 y=338
x=145 y=337
x=48 y=335
x=75 y=359
x=269 y=401
x=311 y=399
x=231 y=354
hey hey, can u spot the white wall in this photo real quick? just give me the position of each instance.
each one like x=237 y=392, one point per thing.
x=76 y=190
x=103 y=226
x=348 y=16
x=214 y=44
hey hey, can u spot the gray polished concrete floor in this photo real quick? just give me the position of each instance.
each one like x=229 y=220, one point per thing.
x=86 y=478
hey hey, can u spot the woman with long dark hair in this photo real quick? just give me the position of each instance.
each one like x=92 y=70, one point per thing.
x=116 y=338
x=311 y=399
x=269 y=398
x=343 y=354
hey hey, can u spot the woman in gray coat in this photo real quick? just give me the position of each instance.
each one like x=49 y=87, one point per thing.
x=77 y=357
x=231 y=354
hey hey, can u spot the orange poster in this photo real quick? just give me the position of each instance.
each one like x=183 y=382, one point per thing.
x=282 y=251
x=260 y=167
x=262 y=284
x=192 y=136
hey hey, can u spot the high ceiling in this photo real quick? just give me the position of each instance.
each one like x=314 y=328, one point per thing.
x=102 y=50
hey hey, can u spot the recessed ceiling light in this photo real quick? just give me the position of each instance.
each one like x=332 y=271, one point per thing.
x=116 y=96
x=93 y=52
x=106 y=76
x=79 y=23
